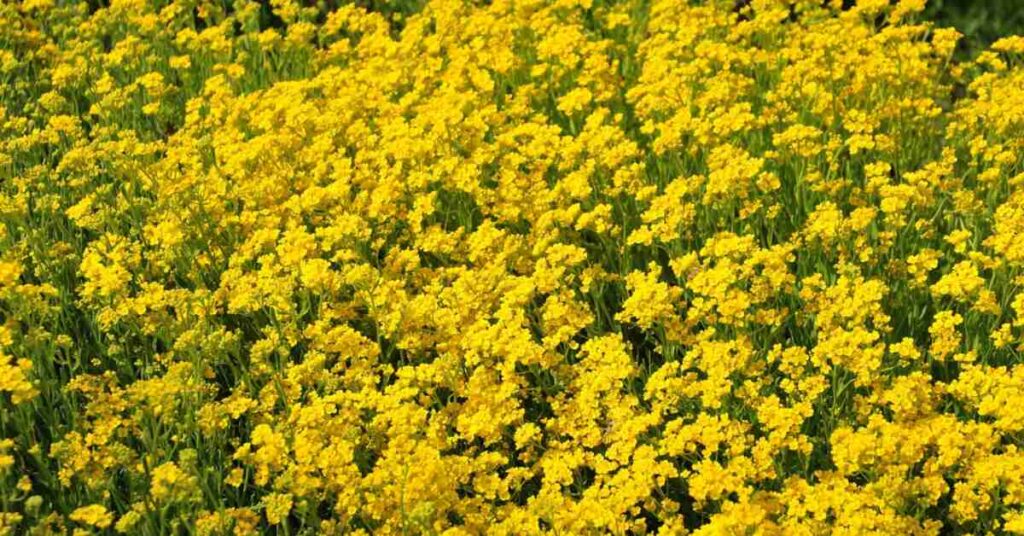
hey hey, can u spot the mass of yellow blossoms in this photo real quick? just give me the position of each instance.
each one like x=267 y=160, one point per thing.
x=508 y=267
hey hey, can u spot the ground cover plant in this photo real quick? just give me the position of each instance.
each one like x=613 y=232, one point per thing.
x=509 y=267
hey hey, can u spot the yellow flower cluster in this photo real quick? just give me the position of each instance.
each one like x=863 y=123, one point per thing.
x=508 y=267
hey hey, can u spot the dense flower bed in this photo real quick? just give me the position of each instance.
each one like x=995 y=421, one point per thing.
x=509 y=267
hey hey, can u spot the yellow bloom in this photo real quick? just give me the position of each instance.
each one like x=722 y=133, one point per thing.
x=278 y=505
x=95 y=515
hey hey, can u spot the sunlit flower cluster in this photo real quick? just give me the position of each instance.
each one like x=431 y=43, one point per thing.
x=508 y=267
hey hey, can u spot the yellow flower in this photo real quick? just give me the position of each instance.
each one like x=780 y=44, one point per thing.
x=945 y=338
x=14 y=378
x=95 y=515
x=277 y=505
x=169 y=483
x=650 y=300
